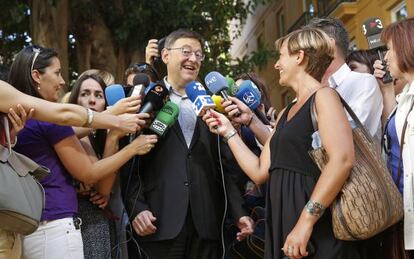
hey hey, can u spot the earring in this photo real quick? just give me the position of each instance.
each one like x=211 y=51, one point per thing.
x=38 y=88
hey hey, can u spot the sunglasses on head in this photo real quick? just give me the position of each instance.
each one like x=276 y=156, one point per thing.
x=145 y=67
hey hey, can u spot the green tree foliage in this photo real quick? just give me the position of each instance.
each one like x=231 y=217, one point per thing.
x=133 y=22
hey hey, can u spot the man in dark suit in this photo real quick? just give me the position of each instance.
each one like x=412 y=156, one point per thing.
x=177 y=199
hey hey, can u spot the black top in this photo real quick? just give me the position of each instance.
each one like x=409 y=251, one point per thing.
x=292 y=141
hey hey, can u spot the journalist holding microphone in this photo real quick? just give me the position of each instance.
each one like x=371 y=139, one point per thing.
x=36 y=71
x=399 y=128
x=298 y=193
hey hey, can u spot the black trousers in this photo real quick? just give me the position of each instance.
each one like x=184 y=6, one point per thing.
x=187 y=245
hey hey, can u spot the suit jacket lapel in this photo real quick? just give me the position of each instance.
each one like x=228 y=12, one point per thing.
x=196 y=133
x=177 y=129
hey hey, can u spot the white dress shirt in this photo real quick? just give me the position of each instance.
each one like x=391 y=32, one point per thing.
x=405 y=100
x=361 y=92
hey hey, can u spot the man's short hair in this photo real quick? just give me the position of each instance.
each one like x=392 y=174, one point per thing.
x=335 y=29
x=182 y=33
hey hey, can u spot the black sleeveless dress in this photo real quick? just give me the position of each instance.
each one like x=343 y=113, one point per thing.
x=292 y=177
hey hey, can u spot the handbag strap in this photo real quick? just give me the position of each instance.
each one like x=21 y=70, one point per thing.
x=347 y=108
x=402 y=144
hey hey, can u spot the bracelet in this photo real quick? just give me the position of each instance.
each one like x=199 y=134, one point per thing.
x=89 y=118
x=250 y=121
x=315 y=208
x=229 y=135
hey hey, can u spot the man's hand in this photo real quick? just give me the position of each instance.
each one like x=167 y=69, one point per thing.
x=142 y=223
x=246 y=226
x=151 y=51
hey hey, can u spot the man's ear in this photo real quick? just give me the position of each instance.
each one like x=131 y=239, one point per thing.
x=165 y=55
x=36 y=76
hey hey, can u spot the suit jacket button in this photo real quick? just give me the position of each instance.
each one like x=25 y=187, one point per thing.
x=186 y=183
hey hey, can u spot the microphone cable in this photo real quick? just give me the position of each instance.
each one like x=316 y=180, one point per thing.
x=130 y=229
x=225 y=199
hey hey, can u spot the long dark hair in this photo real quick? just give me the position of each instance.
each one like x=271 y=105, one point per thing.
x=98 y=138
x=30 y=58
x=74 y=94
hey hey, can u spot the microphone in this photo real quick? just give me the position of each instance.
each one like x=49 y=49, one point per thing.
x=166 y=117
x=233 y=88
x=155 y=98
x=372 y=29
x=199 y=97
x=217 y=84
x=140 y=82
x=250 y=95
x=114 y=93
x=217 y=100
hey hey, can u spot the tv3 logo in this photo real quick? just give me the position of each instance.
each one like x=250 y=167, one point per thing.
x=248 y=98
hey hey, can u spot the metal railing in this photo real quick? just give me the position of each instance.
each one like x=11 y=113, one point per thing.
x=328 y=6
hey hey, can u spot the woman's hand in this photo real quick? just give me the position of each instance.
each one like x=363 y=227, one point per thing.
x=233 y=107
x=379 y=73
x=98 y=199
x=18 y=120
x=296 y=242
x=144 y=143
x=130 y=123
x=217 y=123
x=126 y=105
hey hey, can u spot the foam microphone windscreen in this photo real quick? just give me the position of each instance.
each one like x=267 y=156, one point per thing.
x=249 y=94
x=141 y=79
x=194 y=89
x=216 y=82
x=114 y=93
x=155 y=98
x=166 y=117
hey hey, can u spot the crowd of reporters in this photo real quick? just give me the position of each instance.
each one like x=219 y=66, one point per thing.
x=189 y=172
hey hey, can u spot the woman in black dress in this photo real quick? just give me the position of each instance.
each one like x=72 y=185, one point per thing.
x=298 y=193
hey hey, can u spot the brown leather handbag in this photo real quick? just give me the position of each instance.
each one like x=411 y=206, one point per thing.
x=369 y=201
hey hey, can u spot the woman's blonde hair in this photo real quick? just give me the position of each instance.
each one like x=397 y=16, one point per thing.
x=316 y=45
x=107 y=77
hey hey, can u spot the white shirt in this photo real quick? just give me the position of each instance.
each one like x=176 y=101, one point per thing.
x=361 y=92
x=405 y=100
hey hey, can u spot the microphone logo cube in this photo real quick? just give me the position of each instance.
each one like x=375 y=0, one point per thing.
x=203 y=102
x=158 y=127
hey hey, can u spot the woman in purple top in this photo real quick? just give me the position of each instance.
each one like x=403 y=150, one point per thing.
x=36 y=71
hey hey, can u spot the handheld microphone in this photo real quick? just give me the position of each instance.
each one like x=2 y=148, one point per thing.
x=250 y=95
x=140 y=82
x=199 y=97
x=217 y=84
x=166 y=117
x=217 y=100
x=233 y=88
x=155 y=98
x=372 y=29
x=114 y=93
x=153 y=101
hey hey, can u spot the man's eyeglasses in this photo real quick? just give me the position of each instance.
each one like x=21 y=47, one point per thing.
x=188 y=53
